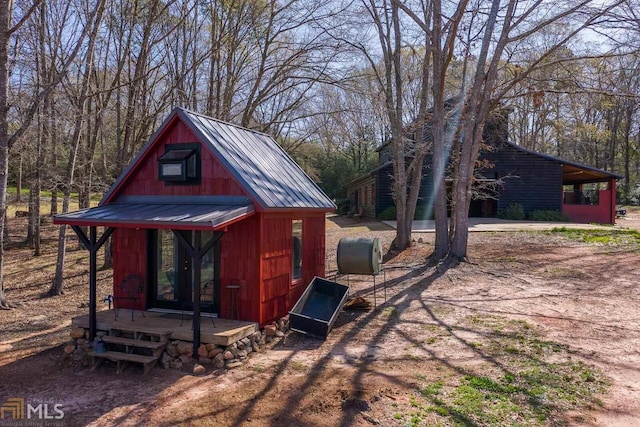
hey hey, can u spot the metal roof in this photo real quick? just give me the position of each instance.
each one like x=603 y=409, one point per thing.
x=572 y=171
x=162 y=212
x=272 y=178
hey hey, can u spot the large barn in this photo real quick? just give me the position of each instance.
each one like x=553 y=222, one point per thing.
x=535 y=181
x=209 y=218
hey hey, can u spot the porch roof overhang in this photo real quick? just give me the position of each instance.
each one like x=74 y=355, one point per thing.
x=163 y=212
x=573 y=173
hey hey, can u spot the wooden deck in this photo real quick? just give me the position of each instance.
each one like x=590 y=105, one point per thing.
x=224 y=332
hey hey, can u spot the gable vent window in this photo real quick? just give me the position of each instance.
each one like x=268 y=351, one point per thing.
x=180 y=163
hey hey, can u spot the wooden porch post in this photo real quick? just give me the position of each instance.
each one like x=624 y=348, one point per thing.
x=196 y=252
x=93 y=279
x=197 y=264
x=612 y=201
x=92 y=244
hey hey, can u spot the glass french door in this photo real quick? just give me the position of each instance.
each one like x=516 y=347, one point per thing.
x=172 y=270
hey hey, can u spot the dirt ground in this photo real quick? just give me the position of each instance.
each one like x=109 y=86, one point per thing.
x=369 y=371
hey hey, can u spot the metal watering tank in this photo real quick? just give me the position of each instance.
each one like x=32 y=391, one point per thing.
x=359 y=255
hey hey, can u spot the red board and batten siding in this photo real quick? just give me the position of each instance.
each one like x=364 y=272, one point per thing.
x=129 y=245
x=216 y=180
x=239 y=266
x=255 y=254
x=279 y=291
x=129 y=257
x=276 y=255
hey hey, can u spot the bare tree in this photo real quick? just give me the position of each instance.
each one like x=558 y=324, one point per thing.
x=488 y=37
x=409 y=145
x=441 y=31
x=504 y=25
x=7 y=28
x=80 y=104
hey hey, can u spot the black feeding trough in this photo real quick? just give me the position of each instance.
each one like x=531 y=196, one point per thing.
x=318 y=307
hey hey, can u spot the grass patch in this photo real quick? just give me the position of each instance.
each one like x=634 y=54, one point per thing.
x=433 y=389
x=45 y=205
x=565 y=273
x=529 y=381
x=600 y=237
x=13 y=191
x=508 y=259
x=389 y=312
x=296 y=366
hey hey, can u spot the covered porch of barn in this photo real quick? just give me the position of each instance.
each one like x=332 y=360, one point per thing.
x=589 y=194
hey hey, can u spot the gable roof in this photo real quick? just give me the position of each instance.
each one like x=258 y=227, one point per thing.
x=262 y=168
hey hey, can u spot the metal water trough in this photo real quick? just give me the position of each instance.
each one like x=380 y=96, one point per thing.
x=318 y=307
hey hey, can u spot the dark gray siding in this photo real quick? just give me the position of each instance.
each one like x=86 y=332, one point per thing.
x=361 y=199
x=533 y=181
x=384 y=189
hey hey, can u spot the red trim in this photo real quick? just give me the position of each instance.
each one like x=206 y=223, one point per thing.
x=612 y=188
x=233 y=221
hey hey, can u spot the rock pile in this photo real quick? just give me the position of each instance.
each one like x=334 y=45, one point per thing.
x=78 y=348
x=178 y=353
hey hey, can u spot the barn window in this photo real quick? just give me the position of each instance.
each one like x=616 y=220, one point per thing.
x=180 y=163
x=296 y=250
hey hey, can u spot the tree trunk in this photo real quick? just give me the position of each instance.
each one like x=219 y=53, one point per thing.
x=45 y=127
x=394 y=106
x=462 y=195
x=7 y=236
x=441 y=246
x=627 y=150
x=5 y=24
x=54 y=161
x=19 y=181
x=32 y=218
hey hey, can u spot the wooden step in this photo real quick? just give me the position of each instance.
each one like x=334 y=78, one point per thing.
x=129 y=357
x=153 y=345
x=159 y=332
x=121 y=359
x=139 y=333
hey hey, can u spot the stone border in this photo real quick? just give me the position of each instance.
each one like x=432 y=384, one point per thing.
x=177 y=354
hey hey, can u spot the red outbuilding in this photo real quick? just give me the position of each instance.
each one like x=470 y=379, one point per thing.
x=209 y=218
